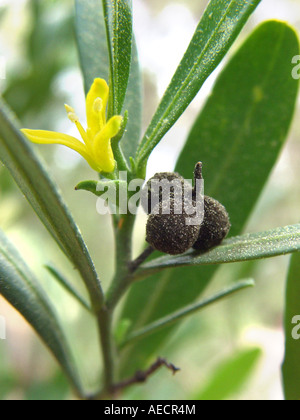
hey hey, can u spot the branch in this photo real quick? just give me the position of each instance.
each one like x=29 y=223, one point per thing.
x=134 y=265
x=141 y=376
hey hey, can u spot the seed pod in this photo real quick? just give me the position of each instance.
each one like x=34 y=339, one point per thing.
x=152 y=193
x=170 y=233
x=215 y=226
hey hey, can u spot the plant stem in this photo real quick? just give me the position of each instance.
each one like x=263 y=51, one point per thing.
x=123 y=235
x=141 y=376
x=119 y=157
x=134 y=265
x=123 y=238
x=108 y=351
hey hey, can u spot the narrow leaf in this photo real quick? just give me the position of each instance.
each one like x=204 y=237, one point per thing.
x=185 y=312
x=230 y=376
x=249 y=139
x=68 y=287
x=32 y=178
x=133 y=104
x=118 y=20
x=155 y=298
x=248 y=247
x=243 y=126
x=217 y=30
x=95 y=56
x=291 y=367
x=91 y=41
x=21 y=289
x=99 y=188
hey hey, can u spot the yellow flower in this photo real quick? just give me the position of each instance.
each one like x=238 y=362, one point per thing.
x=96 y=146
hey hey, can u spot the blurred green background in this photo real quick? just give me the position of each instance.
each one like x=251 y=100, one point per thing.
x=37 y=42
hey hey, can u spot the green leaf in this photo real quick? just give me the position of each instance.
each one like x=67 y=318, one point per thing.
x=91 y=40
x=133 y=103
x=33 y=180
x=248 y=247
x=185 y=312
x=118 y=20
x=291 y=367
x=217 y=30
x=98 y=188
x=68 y=287
x=230 y=376
x=94 y=59
x=248 y=164
x=155 y=298
x=243 y=126
x=22 y=290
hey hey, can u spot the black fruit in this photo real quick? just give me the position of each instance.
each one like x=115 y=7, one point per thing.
x=170 y=233
x=152 y=192
x=215 y=226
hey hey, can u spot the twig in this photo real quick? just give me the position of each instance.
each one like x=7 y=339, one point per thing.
x=134 y=265
x=142 y=376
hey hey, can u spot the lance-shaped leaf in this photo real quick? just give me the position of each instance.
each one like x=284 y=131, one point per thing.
x=238 y=136
x=22 y=290
x=218 y=28
x=291 y=367
x=19 y=157
x=91 y=41
x=248 y=247
x=118 y=20
x=133 y=104
x=244 y=123
x=95 y=54
x=185 y=312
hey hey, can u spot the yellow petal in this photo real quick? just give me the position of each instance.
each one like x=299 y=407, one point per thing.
x=99 y=89
x=51 y=137
x=102 y=145
x=105 y=158
x=110 y=130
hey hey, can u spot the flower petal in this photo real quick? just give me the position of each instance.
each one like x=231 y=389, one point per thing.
x=51 y=137
x=102 y=145
x=99 y=89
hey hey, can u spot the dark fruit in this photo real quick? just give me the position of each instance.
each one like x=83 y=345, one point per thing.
x=152 y=192
x=173 y=233
x=215 y=226
x=170 y=233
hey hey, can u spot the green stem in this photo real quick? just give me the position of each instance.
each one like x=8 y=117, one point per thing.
x=120 y=158
x=123 y=235
x=123 y=226
x=104 y=317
